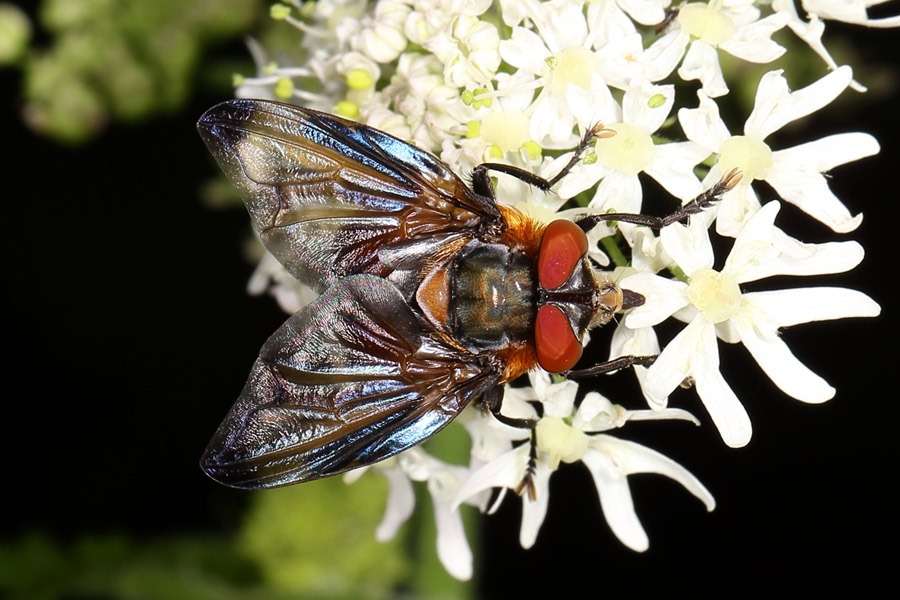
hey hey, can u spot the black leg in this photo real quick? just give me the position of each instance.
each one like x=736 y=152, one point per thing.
x=623 y=362
x=493 y=400
x=481 y=179
x=698 y=204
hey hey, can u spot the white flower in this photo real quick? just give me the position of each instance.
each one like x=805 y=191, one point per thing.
x=566 y=435
x=490 y=437
x=702 y=29
x=561 y=58
x=620 y=158
x=432 y=109
x=443 y=484
x=469 y=52
x=382 y=38
x=645 y=12
x=712 y=302
x=637 y=342
x=501 y=130
x=810 y=32
x=795 y=173
x=849 y=11
x=270 y=276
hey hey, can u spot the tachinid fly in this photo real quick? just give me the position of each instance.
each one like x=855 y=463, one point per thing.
x=432 y=294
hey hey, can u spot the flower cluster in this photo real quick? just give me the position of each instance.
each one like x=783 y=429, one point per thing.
x=519 y=82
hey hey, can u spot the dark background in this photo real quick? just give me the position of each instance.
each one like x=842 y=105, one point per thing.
x=127 y=334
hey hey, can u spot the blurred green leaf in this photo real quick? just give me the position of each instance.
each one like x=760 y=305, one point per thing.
x=318 y=540
x=121 y=60
x=15 y=33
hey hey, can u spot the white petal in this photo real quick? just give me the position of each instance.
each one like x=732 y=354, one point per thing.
x=694 y=352
x=664 y=54
x=638 y=112
x=726 y=411
x=452 y=547
x=647 y=253
x=702 y=62
x=636 y=342
x=673 y=168
x=727 y=332
x=562 y=26
x=618 y=63
x=400 y=503
x=754 y=43
x=809 y=192
x=784 y=308
x=618 y=192
x=830 y=257
x=513 y=11
x=828 y=152
x=850 y=12
x=795 y=174
x=580 y=178
x=504 y=471
x=703 y=124
x=687 y=314
x=559 y=399
x=607 y=22
x=753 y=245
x=641 y=341
x=779 y=363
x=673 y=365
x=596 y=413
x=592 y=106
x=742 y=12
x=615 y=500
x=663 y=297
x=688 y=245
x=661 y=414
x=734 y=210
x=533 y=512
x=525 y=50
x=634 y=458
x=776 y=105
x=552 y=122
x=810 y=32
x=645 y=12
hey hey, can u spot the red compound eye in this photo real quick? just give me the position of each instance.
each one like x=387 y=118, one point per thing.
x=562 y=247
x=557 y=347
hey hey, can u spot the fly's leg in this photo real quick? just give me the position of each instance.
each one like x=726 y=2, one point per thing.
x=481 y=184
x=623 y=362
x=492 y=400
x=481 y=179
x=697 y=205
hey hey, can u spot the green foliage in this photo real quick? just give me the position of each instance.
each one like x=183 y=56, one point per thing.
x=121 y=59
x=15 y=33
x=318 y=540
x=310 y=541
x=115 y=566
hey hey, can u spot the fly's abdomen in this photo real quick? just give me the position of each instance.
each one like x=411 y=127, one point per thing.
x=493 y=297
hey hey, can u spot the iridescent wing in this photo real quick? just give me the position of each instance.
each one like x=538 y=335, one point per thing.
x=325 y=193
x=348 y=381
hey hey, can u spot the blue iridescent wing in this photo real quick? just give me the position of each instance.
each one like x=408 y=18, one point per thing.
x=348 y=381
x=325 y=193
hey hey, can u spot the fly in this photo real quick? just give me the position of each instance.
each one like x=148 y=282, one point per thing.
x=432 y=295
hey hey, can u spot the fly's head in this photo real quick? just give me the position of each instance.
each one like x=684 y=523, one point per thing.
x=573 y=297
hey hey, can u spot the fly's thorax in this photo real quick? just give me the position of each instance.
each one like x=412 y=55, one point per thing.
x=493 y=292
